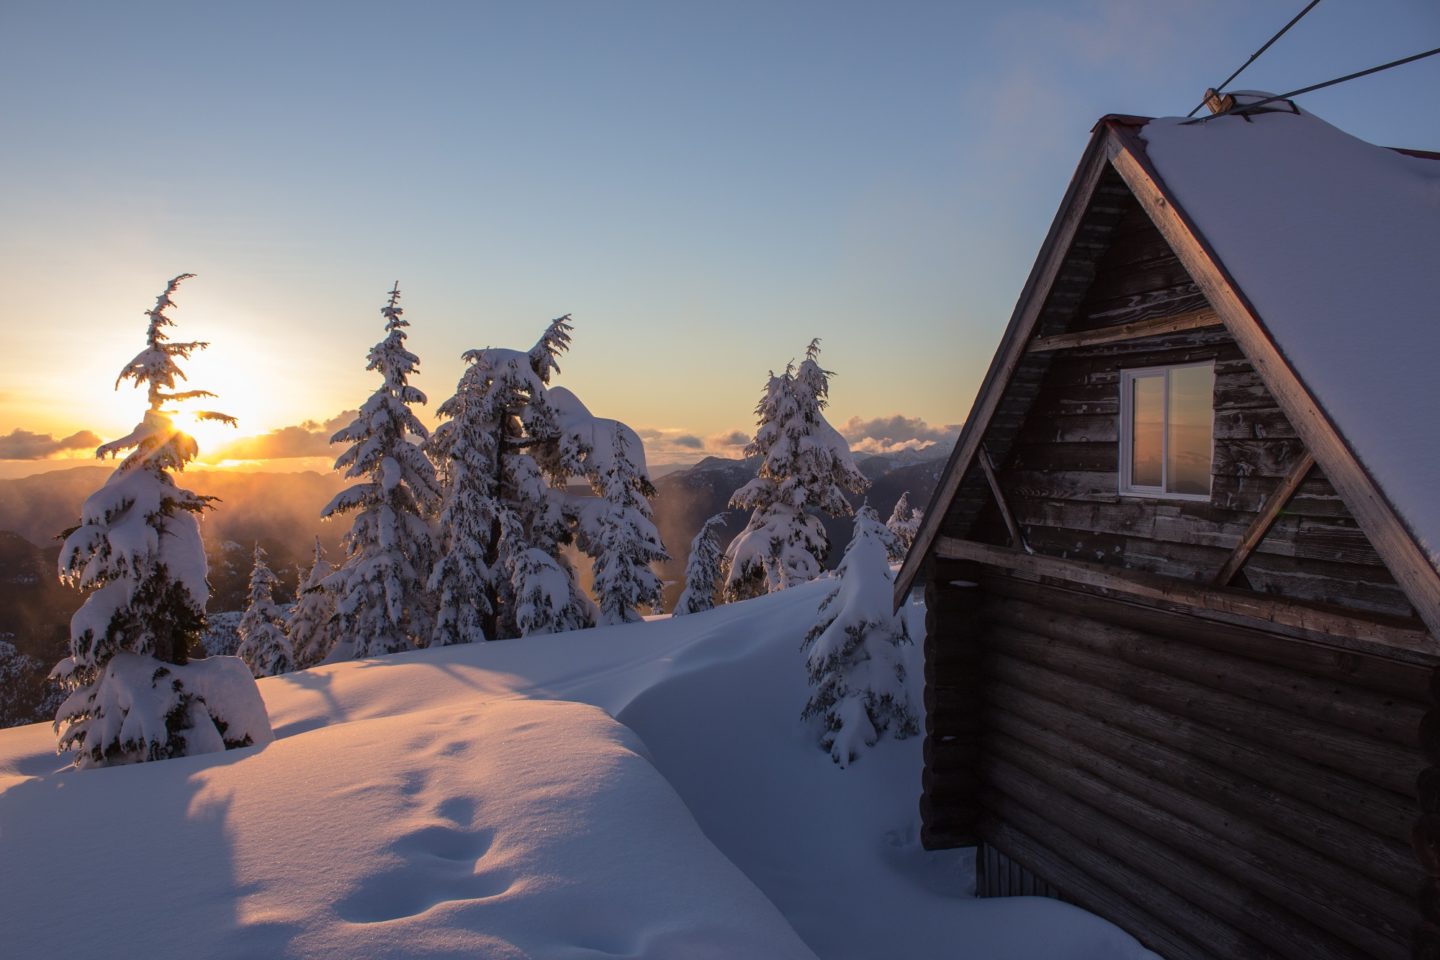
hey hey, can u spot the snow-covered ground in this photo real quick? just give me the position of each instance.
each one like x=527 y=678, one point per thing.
x=636 y=791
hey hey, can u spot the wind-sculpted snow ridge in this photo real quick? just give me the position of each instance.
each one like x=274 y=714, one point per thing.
x=504 y=830
x=440 y=802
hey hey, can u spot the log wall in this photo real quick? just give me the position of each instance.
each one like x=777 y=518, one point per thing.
x=1218 y=793
x=949 y=804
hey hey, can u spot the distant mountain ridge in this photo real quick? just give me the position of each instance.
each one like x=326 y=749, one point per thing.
x=281 y=511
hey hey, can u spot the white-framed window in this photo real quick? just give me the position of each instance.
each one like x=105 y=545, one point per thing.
x=1167 y=431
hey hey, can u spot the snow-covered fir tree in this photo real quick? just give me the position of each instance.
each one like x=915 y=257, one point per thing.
x=133 y=694
x=263 y=643
x=805 y=466
x=904 y=524
x=510 y=445
x=704 y=570
x=27 y=695
x=615 y=528
x=310 y=626
x=539 y=459
x=852 y=652
x=381 y=600
x=466 y=450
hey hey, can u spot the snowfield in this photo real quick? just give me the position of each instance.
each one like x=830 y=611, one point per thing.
x=633 y=791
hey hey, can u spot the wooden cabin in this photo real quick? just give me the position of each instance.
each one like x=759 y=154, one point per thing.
x=1181 y=574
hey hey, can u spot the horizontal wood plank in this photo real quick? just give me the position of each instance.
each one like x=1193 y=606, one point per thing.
x=1321 y=622
x=1134 y=330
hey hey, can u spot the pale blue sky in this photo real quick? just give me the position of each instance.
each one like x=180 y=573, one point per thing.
x=705 y=186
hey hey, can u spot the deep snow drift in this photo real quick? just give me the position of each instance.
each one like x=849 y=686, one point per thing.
x=472 y=801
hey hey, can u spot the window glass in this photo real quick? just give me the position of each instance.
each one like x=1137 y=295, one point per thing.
x=1147 y=405
x=1191 y=425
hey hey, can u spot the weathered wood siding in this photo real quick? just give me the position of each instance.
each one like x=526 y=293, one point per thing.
x=1217 y=790
x=1060 y=469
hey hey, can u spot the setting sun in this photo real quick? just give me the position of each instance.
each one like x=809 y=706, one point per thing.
x=210 y=435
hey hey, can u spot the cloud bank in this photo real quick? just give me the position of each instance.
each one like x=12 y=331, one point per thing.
x=895 y=433
x=667 y=445
x=308 y=439
x=23 y=445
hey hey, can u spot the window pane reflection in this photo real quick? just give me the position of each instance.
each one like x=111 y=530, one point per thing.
x=1191 y=425
x=1148 y=410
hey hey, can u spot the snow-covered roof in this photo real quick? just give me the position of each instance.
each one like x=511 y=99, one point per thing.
x=1335 y=242
x=1321 y=254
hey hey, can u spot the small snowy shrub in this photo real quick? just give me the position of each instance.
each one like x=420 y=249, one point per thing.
x=542 y=595
x=805 y=466
x=617 y=530
x=704 y=571
x=904 y=524
x=852 y=653
x=27 y=695
x=311 y=627
x=132 y=696
x=263 y=644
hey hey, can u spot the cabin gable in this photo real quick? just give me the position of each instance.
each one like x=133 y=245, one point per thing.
x=1060 y=475
x=1199 y=718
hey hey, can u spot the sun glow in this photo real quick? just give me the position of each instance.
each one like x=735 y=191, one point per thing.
x=210 y=435
x=238 y=372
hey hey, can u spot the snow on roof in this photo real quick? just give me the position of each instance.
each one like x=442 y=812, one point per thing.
x=1336 y=244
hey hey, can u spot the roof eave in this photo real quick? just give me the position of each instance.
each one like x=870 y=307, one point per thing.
x=1012 y=345
x=1378 y=518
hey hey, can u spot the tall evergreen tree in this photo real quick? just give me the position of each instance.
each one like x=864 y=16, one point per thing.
x=311 y=627
x=852 y=652
x=139 y=553
x=805 y=466
x=704 y=570
x=263 y=643
x=381 y=602
x=904 y=525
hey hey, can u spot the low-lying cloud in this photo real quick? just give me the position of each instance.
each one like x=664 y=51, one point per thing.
x=23 y=445
x=308 y=439
x=895 y=433
x=668 y=445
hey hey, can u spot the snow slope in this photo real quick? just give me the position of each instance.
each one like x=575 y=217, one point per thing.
x=473 y=801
